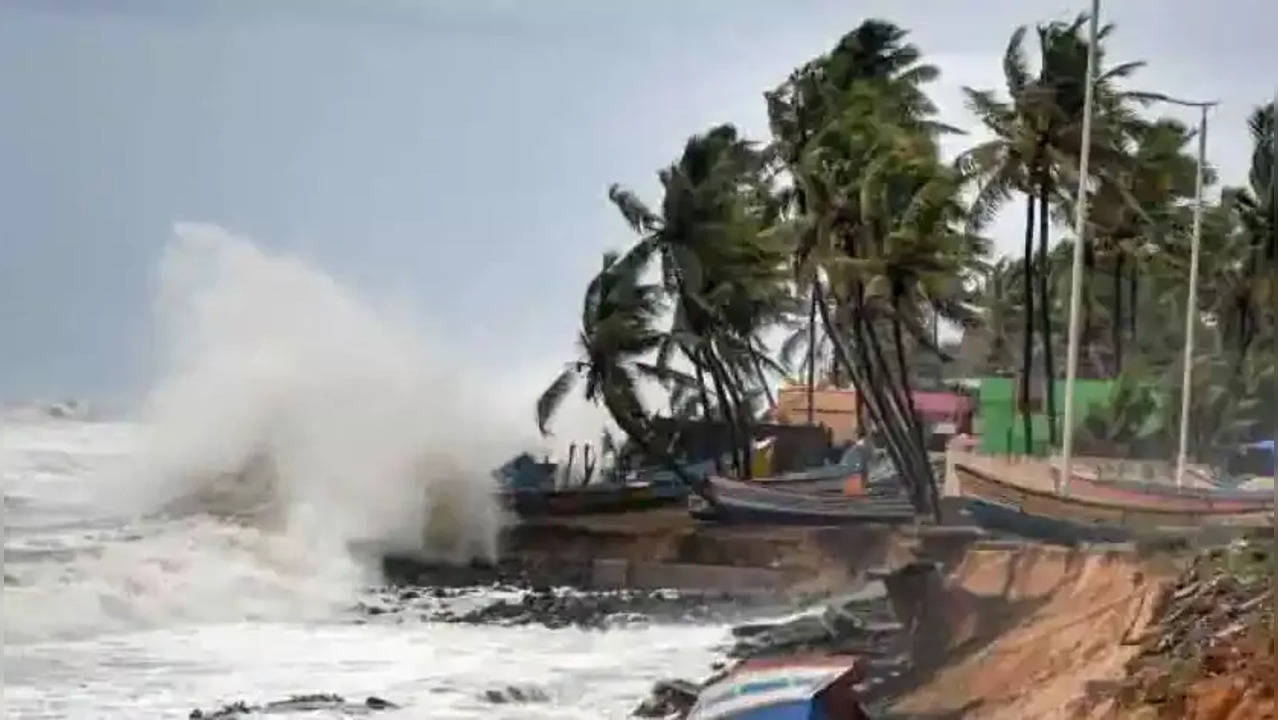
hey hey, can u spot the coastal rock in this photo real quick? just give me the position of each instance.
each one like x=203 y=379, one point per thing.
x=516 y=694
x=669 y=698
x=550 y=607
x=296 y=703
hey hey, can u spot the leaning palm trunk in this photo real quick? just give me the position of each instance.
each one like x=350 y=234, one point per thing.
x=763 y=380
x=903 y=456
x=726 y=409
x=1045 y=313
x=911 y=408
x=705 y=403
x=899 y=402
x=736 y=390
x=1027 y=340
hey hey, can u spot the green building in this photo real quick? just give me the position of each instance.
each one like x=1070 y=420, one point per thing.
x=999 y=422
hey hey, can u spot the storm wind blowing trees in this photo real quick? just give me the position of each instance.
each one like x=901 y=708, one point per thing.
x=852 y=239
x=875 y=221
x=1038 y=131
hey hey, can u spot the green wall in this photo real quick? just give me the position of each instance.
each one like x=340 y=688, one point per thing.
x=1002 y=430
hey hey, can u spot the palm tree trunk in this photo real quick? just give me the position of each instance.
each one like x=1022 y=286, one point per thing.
x=903 y=369
x=737 y=391
x=1045 y=310
x=936 y=342
x=1132 y=305
x=1027 y=341
x=763 y=380
x=899 y=411
x=1085 y=344
x=725 y=408
x=705 y=402
x=894 y=401
x=1117 y=321
x=812 y=356
x=875 y=405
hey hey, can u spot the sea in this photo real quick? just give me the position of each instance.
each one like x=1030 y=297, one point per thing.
x=112 y=616
x=201 y=552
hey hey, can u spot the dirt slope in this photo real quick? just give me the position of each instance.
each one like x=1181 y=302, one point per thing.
x=1019 y=632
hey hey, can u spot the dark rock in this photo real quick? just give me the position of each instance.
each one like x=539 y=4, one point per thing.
x=515 y=694
x=375 y=703
x=668 y=697
x=296 y=703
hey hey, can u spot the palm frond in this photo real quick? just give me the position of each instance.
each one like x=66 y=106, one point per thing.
x=553 y=396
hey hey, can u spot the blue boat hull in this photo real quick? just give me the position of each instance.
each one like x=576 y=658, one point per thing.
x=736 y=502
x=993 y=516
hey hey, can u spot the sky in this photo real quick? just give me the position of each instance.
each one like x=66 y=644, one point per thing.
x=453 y=157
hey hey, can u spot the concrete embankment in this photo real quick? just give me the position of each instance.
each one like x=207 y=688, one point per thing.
x=666 y=549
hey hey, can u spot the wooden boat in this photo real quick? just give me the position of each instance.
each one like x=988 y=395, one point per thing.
x=735 y=501
x=645 y=489
x=799 y=687
x=1000 y=505
x=1162 y=495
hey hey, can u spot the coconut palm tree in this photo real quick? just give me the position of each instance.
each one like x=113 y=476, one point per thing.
x=1034 y=152
x=802 y=108
x=870 y=196
x=723 y=272
x=1135 y=207
x=618 y=330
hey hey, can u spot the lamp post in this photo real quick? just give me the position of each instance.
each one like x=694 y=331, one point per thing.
x=1076 y=271
x=1191 y=304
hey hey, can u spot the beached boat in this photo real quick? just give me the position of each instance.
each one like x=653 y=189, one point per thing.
x=640 y=490
x=801 y=687
x=1168 y=496
x=1001 y=505
x=734 y=501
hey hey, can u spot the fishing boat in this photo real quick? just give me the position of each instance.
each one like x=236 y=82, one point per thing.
x=800 y=687
x=640 y=490
x=997 y=504
x=735 y=501
x=1166 y=495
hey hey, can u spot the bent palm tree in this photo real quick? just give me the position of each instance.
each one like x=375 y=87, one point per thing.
x=617 y=330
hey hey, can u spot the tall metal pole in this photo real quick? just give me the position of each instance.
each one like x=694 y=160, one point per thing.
x=1191 y=305
x=1076 y=273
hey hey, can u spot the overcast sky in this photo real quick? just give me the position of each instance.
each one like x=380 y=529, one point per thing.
x=452 y=154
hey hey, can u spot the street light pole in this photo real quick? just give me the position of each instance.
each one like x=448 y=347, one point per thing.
x=1191 y=305
x=1076 y=272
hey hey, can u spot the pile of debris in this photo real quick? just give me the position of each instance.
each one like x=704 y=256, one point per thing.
x=1208 y=653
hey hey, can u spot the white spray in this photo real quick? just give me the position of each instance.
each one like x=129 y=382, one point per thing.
x=361 y=431
x=291 y=422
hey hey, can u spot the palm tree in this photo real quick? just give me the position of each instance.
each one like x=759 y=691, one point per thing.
x=801 y=108
x=858 y=138
x=999 y=313
x=723 y=271
x=1038 y=133
x=1135 y=207
x=617 y=331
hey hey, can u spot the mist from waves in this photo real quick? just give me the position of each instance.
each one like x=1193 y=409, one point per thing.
x=291 y=422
